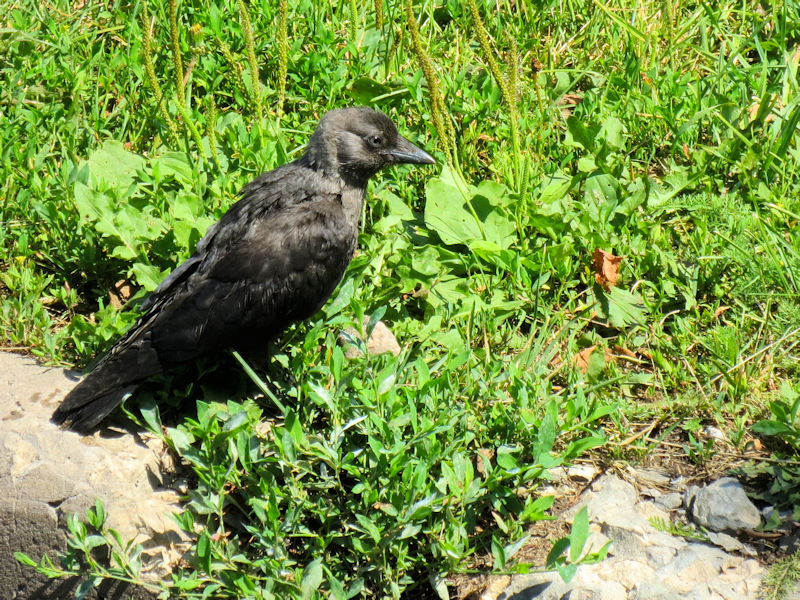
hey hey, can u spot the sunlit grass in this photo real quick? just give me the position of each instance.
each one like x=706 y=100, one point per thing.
x=662 y=132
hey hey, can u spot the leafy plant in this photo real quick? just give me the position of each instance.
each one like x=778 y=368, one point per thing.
x=663 y=135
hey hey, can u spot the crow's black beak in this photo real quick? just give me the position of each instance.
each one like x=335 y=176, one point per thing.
x=406 y=152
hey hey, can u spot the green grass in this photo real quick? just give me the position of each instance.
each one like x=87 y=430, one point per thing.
x=662 y=132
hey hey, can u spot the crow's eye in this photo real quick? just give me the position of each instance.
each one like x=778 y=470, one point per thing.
x=375 y=141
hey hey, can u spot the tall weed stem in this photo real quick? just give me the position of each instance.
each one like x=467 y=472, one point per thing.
x=441 y=118
x=177 y=59
x=150 y=72
x=249 y=43
x=507 y=85
x=283 y=52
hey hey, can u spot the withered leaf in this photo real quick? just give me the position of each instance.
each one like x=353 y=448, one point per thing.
x=606 y=268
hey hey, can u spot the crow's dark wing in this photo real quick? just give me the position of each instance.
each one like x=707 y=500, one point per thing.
x=270 y=260
x=265 y=194
x=282 y=269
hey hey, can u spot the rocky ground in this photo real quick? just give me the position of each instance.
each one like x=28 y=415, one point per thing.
x=49 y=473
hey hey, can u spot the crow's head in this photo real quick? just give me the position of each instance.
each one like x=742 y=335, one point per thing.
x=358 y=142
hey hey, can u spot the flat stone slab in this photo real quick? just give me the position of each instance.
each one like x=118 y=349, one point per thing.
x=47 y=473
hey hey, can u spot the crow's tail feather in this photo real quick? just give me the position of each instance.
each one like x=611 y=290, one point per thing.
x=102 y=390
x=84 y=416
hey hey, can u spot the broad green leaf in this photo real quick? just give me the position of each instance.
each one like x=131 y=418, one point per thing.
x=446 y=214
x=409 y=531
x=495 y=192
x=625 y=308
x=294 y=427
x=148 y=276
x=112 y=167
x=579 y=134
x=555 y=557
x=312 y=577
x=182 y=439
x=535 y=510
x=460 y=213
x=506 y=458
x=511 y=549
x=235 y=422
x=150 y=414
x=567 y=572
x=364 y=89
x=449 y=290
x=85 y=587
x=546 y=435
x=99 y=209
x=774 y=428
x=173 y=164
x=600 y=197
x=396 y=205
x=498 y=552
x=204 y=550
x=578 y=535
x=439 y=583
x=596 y=363
x=186 y=206
x=552 y=192
x=342 y=298
x=611 y=132
x=498 y=227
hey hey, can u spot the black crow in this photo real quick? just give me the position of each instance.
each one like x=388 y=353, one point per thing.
x=274 y=258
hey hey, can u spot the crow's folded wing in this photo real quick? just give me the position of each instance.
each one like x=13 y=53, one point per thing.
x=281 y=269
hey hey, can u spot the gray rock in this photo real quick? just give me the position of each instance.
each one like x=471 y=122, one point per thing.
x=723 y=506
x=612 y=504
x=548 y=586
x=605 y=496
x=644 y=563
x=48 y=473
x=725 y=541
x=715 y=433
x=653 y=590
x=679 y=483
x=670 y=501
x=658 y=556
x=689 y=496
x=576 y=473
x=651 y=477
x=380 y=340
x=541 y=586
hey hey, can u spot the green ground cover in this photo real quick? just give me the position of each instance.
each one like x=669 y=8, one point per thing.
x=662 y=132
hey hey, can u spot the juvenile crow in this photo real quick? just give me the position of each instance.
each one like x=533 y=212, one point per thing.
x=274 y=258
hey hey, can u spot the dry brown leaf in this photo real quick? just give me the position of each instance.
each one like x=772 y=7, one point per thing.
x=567 y=104
x=624 y=352
x=720 y=310
x=569 y=100
x=581 y=359
x=120 y=293
x=606 y=268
